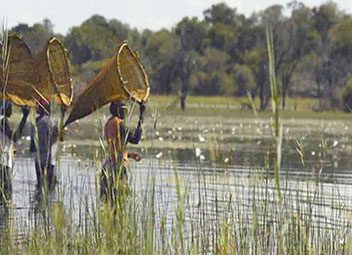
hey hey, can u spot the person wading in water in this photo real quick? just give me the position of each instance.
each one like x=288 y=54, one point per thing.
x=7 y=150
x=43 y=135
x=114 y=173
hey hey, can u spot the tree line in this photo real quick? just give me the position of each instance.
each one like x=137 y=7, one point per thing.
x=224 y=53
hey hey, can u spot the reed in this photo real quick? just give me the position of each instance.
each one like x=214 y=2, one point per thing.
x=275 y=104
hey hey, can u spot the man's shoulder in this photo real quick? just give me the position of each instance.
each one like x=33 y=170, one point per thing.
x=43 y=118
x=113 y=120
x=111 y=125
x=44 y=121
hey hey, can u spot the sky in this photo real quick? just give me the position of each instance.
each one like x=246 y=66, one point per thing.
x=140 y=14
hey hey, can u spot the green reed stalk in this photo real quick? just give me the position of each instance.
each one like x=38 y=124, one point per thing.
x=3 y=74
x=5 y=58
x=275 y=102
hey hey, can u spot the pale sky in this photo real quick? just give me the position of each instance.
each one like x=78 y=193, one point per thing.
x=151 y=14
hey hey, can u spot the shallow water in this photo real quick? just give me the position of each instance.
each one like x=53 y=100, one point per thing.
x=224 y=164
x=232 y=141
x=212 y=190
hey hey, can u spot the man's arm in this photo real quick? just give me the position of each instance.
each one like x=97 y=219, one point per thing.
x=136 y=156
x=134 y=136
x=18 y=133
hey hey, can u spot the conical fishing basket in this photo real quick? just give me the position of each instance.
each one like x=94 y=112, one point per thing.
x=18 y=72
x=55 y=80
x=122 y=78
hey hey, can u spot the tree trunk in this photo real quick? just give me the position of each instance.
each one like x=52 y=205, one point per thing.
x=184 y=93
x=262 y=96
x=183 y=102
x=286 y=81
x=284 y=92
x=319 y=90
x=262 y=81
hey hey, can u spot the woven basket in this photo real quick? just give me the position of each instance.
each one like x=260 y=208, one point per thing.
x=17 y=81
x=122 y=78
x=55 y=81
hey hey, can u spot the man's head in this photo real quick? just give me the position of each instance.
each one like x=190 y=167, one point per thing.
x=6 y=108
x=117 y=108
x=43 y=107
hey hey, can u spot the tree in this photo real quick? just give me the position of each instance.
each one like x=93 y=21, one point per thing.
x=160 y=51
x=221 y=36
x=220 y=13
x=97 y=39
x=37 y=35
x=211 y=76
x=341 y=53
x=271 y=18
x=245 y=80
x=256 y=60
x=224 y=23
x=124 y=32
x=79 y=50
x=192 y=35
x=297 y=39
x=248 y=36
x=325 y=17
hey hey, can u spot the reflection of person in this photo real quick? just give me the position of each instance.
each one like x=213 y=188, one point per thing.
x=117 y=136
x=43 y=135
x=7 y=150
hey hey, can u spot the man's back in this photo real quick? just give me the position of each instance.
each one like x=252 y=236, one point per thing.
x=113 y=136
x=42 y=138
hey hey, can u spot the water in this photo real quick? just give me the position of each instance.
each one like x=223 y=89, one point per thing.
x=212 y=190
x=233 y=141
x=220 y=163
